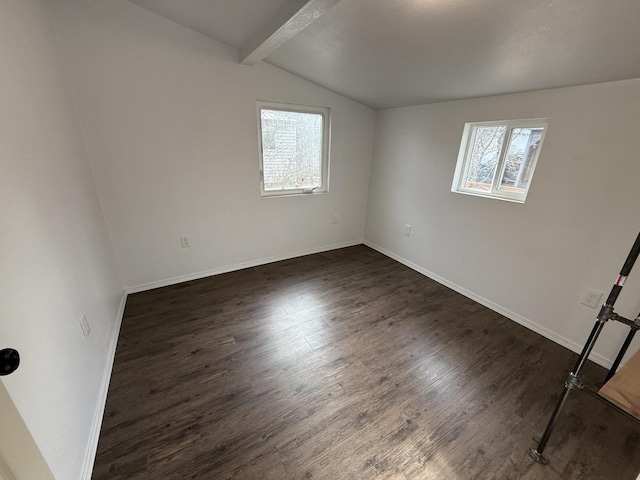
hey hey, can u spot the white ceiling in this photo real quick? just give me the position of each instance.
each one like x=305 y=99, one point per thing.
x=386 y=53
x=230 y=21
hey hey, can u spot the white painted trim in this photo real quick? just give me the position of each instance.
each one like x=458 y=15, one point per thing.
x=464 y=154
x=237 y=266
x=94 y=436
x=530 y=324
x=325 y=113
x=287 y=22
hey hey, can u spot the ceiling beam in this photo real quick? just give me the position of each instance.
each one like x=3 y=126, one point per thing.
x=291 y=19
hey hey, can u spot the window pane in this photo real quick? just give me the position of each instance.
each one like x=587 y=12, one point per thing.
x=291 y=149
x=520 y=159
x=483 y=160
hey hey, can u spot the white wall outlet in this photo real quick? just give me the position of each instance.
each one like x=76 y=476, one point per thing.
x=334 y=218
x=84 y=325
x=407 y=230
x=185 y=242
x=591 y=298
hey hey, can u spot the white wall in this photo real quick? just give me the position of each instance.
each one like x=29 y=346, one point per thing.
x=56 y=260
x=533 y=260
x=20 y=457
x=170 y=122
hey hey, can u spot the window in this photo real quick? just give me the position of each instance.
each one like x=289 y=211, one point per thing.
x=497 y=159
x=294 y=149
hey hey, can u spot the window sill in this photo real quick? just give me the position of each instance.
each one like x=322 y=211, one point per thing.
x=296 y=194
x=492 y=197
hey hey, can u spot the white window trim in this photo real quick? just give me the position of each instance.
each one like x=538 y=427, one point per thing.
x=462 y=165
x=326 y=142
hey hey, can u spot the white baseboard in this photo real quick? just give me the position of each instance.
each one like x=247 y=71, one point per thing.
x=237 y=266
x=531 y=325
x=94 y=436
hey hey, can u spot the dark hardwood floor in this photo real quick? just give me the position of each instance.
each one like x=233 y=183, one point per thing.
x=343 y=365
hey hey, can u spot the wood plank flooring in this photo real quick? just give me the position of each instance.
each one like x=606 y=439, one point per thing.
x=343 y=365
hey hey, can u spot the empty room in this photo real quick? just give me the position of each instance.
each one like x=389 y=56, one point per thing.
x=326 y=239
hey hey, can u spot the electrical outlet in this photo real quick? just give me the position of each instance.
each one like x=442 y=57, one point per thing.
x=185 y=242
x=591 y=298
x=334 y=219
x=407 y=230
x=84 y=325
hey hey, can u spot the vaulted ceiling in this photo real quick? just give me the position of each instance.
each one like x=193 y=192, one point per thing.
x=388 y=53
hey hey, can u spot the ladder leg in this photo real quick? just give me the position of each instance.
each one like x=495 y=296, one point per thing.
x=572 y=382
x=621 y=353
x=537 y=453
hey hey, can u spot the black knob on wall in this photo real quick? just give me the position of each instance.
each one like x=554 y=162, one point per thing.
x=9 y=361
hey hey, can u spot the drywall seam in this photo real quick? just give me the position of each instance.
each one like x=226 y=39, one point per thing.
x=525 y=322
x=92 y=445
x=237 y=266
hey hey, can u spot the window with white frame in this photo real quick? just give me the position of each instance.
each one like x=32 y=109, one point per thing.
x=294 y=149
x=497 y=159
